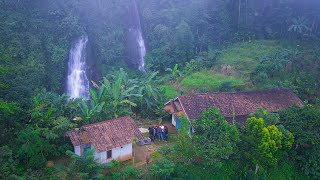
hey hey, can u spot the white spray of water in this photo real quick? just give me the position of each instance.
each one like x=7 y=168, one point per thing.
x=140 y=40
x=142 y=51
x=77 y=82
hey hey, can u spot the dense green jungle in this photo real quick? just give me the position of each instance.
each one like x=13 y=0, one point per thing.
x=183 y=47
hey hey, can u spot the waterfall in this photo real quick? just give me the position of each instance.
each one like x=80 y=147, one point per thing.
x=77 y=82
x=142 y=51
x=135 y=46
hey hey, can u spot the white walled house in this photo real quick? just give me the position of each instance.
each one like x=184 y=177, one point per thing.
x=111 y=139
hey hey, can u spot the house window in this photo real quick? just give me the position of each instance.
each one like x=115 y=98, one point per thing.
x=109 y=154
x=86 y=149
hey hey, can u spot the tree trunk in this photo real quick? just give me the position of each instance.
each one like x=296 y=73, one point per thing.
x=257 y=168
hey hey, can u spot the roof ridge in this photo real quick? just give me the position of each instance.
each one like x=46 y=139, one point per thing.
x=108 y=121
x=238 y=92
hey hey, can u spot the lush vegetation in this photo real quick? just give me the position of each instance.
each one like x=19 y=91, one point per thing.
x=219 y=149
x=192 y=46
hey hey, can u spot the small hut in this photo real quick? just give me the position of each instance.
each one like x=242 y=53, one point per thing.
x=111 y=139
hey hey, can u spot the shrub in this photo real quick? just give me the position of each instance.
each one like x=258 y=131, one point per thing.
x=162 y=169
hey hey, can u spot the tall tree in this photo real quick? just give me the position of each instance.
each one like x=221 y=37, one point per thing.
x=264 y=145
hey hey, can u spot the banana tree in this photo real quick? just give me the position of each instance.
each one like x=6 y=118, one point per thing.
x=175 y=74
x=151 y=94
x=111 y=99
x=122 y=93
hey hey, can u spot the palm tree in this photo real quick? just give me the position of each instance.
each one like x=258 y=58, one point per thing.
x=300 y=25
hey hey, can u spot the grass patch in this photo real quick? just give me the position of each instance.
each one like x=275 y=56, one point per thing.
x=155 y=155
x=244 y=57
x=208 y=79
x=169 y=91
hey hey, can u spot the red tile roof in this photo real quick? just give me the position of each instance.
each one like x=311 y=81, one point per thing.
x=238 y=103
x=107 y=134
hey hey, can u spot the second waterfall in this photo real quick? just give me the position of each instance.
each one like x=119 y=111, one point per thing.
x=136 y=49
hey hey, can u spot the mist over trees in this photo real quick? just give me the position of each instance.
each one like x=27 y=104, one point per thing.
x=193 y=46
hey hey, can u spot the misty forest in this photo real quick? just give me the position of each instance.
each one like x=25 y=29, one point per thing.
x=242 y=79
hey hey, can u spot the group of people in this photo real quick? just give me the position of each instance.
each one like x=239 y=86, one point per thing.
x=158 y=132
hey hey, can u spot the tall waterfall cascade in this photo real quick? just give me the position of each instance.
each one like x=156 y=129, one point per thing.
x=135 y=39
x=142 y=52
x=77 y=81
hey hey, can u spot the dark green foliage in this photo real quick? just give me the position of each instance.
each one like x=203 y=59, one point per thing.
x=35 y=42
x=212 y=145
x=286 y=69
x=183 y=148
x=11 y=115
x=269 y=118
x=7 y=164
x=130 y=173
x=162 y=169
x=215 y=139
x=226 y=87
x=184 y=40
x=42 y=136
x=275 y=18
x=304 y=123
x=309 y=160
x=86 y=166
x=178 y=31
x=119 y=171
x=35 y=147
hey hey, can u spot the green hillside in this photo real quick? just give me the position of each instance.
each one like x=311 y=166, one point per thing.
x=245 y=56
x=210 y=80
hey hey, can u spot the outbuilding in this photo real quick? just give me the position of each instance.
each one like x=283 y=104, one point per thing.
x=111 y=139
x=233 y=105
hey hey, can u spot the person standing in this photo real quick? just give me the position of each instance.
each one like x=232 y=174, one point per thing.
x=151 y=133
x=162 y=132
x=159 y=133
x=166 y=133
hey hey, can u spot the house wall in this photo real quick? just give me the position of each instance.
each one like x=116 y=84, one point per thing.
x=77 y=150
x=174 y=120
x=122 y=153
x=101 y=157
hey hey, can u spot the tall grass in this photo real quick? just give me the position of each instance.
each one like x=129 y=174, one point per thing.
x=170 y=92
x=208 y=79
x=245 y=56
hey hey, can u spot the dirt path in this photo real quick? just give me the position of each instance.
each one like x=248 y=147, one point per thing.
x=141 y=152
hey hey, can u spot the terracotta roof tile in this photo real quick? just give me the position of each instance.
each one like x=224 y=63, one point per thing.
x=107 y=134
x=239 y=103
